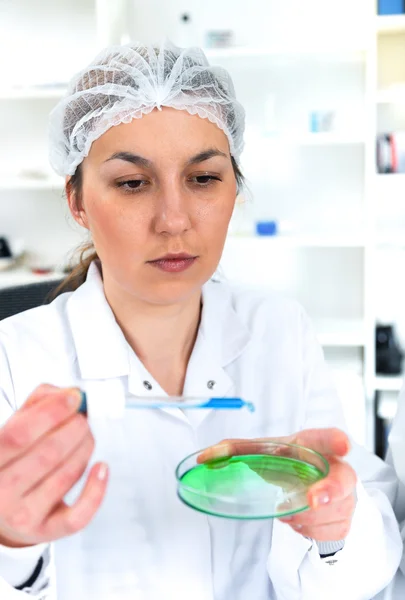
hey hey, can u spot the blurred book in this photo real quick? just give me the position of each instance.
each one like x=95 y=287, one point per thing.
x=391 y=152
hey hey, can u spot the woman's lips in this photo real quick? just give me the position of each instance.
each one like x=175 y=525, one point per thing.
x=173 y=263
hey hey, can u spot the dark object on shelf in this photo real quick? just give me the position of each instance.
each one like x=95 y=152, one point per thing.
x=382 y=428
x=5 y=251
x=391 y=7
x=391 y=152
x=388 y=353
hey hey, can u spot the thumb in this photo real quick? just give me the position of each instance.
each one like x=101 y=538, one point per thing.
x=40 y=393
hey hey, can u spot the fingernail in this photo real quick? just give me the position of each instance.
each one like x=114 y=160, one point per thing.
x=74 y=399
x=221 y=451
x=102 y=472
x=83 y=404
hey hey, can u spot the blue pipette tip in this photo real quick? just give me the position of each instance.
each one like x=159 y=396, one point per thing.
x=226 y=403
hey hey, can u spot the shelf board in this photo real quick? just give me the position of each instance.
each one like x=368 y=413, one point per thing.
x=396 y=95
x=388 y=383
x=353 y=53
x=356 y=240
x=340 y=332
x=391 y=178
x=330 y=139
x=387 y=408
x=390 y=24
x=20 y=183
x=20 y=276
x=32 y=93
x=317 y=139
x=391 y=241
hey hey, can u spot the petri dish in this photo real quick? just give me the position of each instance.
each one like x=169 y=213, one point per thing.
x=262 y=480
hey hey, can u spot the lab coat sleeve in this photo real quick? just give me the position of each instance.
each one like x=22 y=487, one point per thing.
x=396 y=459
x=18 y=564
x=373 y=548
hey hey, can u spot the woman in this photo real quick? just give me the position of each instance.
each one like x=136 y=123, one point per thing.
x=149 y=141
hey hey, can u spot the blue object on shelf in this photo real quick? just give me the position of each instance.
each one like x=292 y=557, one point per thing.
x=391 y=7
x=266 y=228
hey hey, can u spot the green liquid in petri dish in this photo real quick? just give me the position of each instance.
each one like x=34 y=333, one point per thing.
x=249 y=486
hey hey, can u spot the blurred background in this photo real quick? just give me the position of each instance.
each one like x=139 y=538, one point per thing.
x=323 y=84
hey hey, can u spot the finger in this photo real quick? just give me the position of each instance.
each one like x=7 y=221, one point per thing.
x=40 y=393
x=330 y=441
x=338 y=530
x=235 y=447
x=67 y=520
x=27 y=426
x=336 y=511
x=325 y=441
x=338 y=485
x=48 y=494
x=48 y=454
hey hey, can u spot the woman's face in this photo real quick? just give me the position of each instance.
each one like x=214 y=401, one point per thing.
x=157 y=197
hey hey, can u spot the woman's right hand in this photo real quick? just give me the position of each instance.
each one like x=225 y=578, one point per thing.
x=44 y=450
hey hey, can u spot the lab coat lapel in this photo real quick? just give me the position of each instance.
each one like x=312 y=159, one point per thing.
x=221 y=338
x=100 y=345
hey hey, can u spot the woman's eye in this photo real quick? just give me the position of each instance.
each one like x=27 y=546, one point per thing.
x=132 y=184
x=205 y=180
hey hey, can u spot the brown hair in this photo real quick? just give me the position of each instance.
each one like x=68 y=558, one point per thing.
x=87 y=253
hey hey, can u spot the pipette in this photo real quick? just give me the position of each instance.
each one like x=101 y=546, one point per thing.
x=131 y=402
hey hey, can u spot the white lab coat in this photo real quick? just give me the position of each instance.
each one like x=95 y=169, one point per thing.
x=144 y=544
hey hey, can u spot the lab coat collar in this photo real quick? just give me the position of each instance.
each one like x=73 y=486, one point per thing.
x=221 y=338
x=101 y=348
x=103 y=352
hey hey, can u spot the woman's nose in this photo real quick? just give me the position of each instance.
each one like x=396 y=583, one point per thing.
x=172 y=214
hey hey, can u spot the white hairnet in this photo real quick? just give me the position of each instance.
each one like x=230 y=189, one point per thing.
x=126 y=82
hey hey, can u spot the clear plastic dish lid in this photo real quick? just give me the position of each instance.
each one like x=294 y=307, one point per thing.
x=263 y=480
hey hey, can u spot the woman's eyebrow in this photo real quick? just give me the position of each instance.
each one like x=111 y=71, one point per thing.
x=134 y=159
x=138 y=160
x=205 y=155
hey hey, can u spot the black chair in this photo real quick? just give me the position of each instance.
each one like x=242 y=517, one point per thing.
x=14 y=300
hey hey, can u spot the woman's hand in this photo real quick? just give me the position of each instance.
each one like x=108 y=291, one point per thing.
x=332 y=500
x=44 y=450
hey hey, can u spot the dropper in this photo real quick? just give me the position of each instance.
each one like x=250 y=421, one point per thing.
x=131 y=402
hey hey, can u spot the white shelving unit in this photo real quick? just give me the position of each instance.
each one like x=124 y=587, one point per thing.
x=388 y=209
x=326 y=183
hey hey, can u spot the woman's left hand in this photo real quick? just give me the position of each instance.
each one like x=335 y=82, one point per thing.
x=332 y=500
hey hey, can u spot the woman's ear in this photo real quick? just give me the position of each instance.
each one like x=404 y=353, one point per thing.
x=75 y=205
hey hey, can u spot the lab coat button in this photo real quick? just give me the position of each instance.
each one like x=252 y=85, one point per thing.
x=147 y=385
x=211 y=384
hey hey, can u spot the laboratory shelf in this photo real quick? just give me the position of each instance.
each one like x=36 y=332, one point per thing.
x=387 y=383
x=311 y=240
x=340 y=332
x=390 y=24
x=395 y=95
